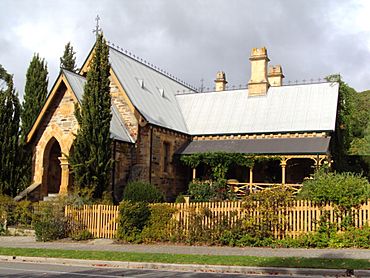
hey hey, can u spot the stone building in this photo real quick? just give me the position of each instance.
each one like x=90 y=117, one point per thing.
x=156 y=119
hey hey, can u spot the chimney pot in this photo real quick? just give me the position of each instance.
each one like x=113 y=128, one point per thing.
x=220 y=81
x=275 y=76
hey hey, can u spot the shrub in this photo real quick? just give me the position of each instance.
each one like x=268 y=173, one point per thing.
x=208 y=190
x=49 y=221
x=204 y=227
x=200 y=191
x=140 y=191
x=272 y=206
x=133 y=216
x=14 y=213
x=82 y=235
x=160 y=223
x=48 y=230
x=23 y=213
x=79 y=197
x=180 y=198
x=346 y=190
x=6 y=207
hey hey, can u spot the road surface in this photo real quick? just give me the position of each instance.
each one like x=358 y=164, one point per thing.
x=33 y=270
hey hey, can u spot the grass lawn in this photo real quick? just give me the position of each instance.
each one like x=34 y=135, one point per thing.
x=189 y=259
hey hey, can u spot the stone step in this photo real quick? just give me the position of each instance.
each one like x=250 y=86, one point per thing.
x=51 y=197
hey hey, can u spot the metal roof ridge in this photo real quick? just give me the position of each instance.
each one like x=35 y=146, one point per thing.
x=72 y=72
x=150 y=66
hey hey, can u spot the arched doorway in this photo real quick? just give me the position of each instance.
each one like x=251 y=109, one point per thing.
x=52 y=169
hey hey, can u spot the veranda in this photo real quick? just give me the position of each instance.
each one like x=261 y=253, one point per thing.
x=288 y=170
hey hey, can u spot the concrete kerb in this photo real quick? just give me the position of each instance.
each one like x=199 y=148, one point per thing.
x=190 y=267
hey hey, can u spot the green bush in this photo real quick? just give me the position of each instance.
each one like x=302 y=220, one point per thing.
x=6 y=207
x=272 y=205
x=180 y=198
x=346 y=190
x=49 y=221
x=160 y=223
x=82 y=235
x=219 y=231
x=15 y=213
x=133 y=216
x=200 y=191
x=140 y=191
x=23 y=213
x=352 y=238
x=48 y=230
x=208 y=190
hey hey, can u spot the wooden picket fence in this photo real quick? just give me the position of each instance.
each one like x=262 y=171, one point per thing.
x=100 y=220
x=301 y=217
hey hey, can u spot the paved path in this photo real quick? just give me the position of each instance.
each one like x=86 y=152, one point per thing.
x=108 y=245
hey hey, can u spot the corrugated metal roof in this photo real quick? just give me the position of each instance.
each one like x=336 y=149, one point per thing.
x=117 y=128
x=299 y=108
x=314 y=145
x=76 y=81
x=151 y=92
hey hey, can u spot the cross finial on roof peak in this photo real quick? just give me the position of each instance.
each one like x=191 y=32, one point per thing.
x=97 y=27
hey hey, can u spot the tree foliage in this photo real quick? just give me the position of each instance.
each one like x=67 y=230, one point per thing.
x=218 y=161
x=91 y=160
x=9 y=136
x=208 y=190
x=68 y=60
x=346 y=190
x=35 y=92
x=272 y=206
x=360 y=145
x=139 y=191
x=351 y=141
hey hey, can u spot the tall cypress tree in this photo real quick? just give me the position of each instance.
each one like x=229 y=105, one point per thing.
x=91 y=160
x=68 y=61
x=9 y=136
x=35 y=92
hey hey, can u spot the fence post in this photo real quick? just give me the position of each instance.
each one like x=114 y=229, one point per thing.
x=187 y=199
x=98 y=220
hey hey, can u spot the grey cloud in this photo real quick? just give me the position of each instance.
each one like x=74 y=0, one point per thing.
x=194 y=39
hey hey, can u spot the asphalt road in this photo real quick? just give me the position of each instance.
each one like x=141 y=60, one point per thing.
x=26 y=270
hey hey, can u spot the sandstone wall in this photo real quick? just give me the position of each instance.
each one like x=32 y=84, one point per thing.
x=150 y=159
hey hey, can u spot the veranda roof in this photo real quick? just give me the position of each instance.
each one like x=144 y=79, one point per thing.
x=311 y=145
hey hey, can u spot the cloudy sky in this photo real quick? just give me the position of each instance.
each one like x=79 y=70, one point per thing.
x=194 y=39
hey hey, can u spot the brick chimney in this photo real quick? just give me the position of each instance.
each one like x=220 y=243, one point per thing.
x=220 y=81
x=258 y=84
x=275 y=76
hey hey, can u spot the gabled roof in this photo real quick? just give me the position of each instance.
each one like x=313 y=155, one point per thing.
x=299 y=108
x=117 y=128
x=151 y=92
x=76 y=82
